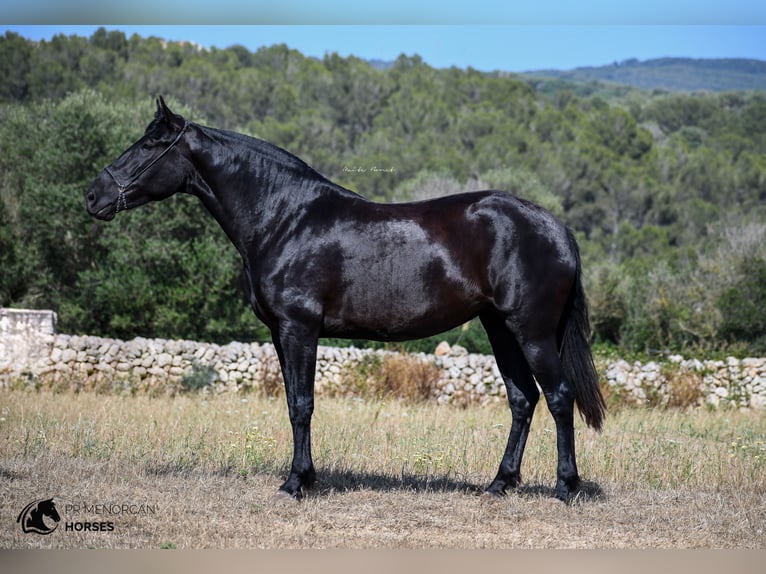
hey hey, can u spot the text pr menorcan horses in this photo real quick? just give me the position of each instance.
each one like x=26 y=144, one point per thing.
x=321 y=261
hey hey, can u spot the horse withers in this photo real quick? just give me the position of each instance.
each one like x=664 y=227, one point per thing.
x=322 y=261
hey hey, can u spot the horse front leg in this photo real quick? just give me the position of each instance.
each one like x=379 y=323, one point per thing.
x=296 y=347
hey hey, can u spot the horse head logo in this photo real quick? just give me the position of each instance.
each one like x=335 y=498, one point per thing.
x=31 y=518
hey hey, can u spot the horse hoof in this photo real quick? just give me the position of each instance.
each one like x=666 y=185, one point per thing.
x=282 y=498
x=567 y=491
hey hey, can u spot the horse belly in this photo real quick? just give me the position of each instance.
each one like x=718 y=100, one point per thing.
x=409 y=292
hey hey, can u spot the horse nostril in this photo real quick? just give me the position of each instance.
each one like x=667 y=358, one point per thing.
x=91 y=197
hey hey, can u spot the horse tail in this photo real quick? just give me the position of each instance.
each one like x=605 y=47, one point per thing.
x=576 y=357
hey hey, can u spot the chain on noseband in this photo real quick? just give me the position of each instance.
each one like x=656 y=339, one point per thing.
x=122 y=202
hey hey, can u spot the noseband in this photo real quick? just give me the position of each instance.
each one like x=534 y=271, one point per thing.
x=122 y=202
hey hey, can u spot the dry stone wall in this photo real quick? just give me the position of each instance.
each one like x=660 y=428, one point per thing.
x=32 y=353
x=730 y=382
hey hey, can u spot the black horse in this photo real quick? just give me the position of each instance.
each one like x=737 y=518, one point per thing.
x=321 y=261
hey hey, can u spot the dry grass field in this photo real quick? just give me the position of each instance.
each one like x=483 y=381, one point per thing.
x=199 y=472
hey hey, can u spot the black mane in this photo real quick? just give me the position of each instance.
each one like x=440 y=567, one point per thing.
x=268 y=151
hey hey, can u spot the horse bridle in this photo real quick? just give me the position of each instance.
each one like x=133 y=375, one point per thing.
x=122 y=202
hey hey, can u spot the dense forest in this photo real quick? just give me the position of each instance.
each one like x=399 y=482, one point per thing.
x=665 y=191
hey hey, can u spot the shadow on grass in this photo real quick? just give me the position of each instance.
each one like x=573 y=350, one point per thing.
x=337 y=480
x=10 y=474
x=348 y=480
x=329 y=481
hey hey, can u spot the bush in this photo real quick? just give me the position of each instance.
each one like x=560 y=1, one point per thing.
x=606 y=301
x=743 y=306
x=406 y=378
x=390 y=376
x=684 y=389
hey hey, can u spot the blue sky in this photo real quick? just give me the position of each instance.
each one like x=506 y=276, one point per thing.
x=511 y=35
x=511 y=48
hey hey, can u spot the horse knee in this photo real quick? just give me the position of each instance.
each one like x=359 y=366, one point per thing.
x=301 y=410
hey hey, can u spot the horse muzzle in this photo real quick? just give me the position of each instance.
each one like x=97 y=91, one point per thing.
x=99 y=203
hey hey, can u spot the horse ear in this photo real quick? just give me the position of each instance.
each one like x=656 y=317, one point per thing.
x=163 y=109
x=164 y=113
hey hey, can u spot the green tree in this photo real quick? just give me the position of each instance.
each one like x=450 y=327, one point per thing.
x=15 y=65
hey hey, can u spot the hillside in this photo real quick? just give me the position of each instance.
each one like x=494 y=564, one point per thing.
x=673 y=74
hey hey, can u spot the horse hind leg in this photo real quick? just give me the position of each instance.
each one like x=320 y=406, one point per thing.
x=522 y=398
x=543 y=359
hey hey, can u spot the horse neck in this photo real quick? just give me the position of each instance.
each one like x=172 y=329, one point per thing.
x=250 y=187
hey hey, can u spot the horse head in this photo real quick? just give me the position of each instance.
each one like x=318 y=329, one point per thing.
x=151 y=169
